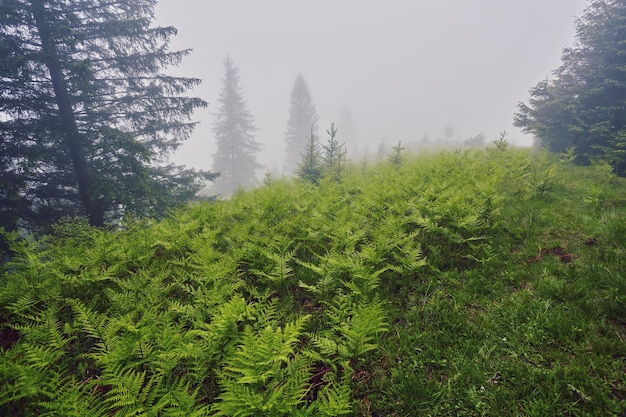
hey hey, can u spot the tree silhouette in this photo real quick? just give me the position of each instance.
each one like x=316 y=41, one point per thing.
x=87 y=118
x=582 y=108
x=302 y=122
x=235 y=159
x=348 y=130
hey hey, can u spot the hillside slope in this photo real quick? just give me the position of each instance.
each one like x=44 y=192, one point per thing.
x=462 y=283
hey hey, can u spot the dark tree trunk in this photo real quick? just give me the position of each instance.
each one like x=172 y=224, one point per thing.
x=72 y=137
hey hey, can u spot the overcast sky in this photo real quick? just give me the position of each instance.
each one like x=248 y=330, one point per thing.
x=403 y=68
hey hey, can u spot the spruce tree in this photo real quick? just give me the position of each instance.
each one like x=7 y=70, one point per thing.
x=333 y=154
x=310 y=167
x=348 y=131
x=584 y=106
x=381 y=150
x=87 y=117
x=302 y=118
x=235 y=159
x=396 y=154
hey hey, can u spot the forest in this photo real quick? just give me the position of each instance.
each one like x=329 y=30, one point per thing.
x=478 y=281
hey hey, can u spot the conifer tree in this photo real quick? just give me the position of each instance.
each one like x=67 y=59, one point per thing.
x=396 y=154
x=310 y=167
x=235 y=159
x=334 y=154
x=348 y=131
x=583 y=106
x=302 y=118
x=381 y=150
x=87 y=117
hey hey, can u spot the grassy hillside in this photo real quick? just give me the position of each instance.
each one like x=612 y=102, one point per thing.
x=478 y=283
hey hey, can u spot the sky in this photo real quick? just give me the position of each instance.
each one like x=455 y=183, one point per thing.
x=403 y=69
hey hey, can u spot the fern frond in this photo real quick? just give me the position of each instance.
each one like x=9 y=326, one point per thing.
x=280 y=271
x=94 y=325
x=363 y=328
x=71 y=398
x=178 y=400
x=328 y=347
x=41 y=357
x=265 y=375
x=24 y=303
x=335 y=399
x=354 y=328
x=218 y=337
x=130 y=391
x=316 y=269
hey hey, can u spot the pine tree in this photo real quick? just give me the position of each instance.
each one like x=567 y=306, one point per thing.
x=235 y=159
x=302 y=118
x=381 y=150
x=396 y=154
x=348 y=130
x=310 y=167
x=584 y=105
x=334 y=154
x=88 y=119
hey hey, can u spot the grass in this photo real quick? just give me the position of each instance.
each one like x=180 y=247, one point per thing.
x=539 y=330
x=478 y=283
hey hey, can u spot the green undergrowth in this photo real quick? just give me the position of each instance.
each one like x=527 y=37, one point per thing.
x=476 y=283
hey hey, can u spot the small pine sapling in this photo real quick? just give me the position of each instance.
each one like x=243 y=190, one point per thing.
x=396 y=154
x=310 y=167
x=501 y=142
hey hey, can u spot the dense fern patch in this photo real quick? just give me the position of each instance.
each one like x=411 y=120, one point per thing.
x=463 y=283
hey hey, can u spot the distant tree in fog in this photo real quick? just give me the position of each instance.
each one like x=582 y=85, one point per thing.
x=381 y=150
x=302 y=121
x=475 y=141
x=348 y=130
x=448 y=132
x=234 y=128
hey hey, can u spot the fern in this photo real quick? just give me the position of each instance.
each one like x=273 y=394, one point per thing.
x=409 y=258
x=324 y=283
x=265 y=374
x=335 y=399
x=101 y=329
x=218 y=337
x=178 y=400
x=129 y=391
x=36 y=373
x=329 y=347
x=354 y=328
x=71 y=398
x=279 y=272
x=364 y=328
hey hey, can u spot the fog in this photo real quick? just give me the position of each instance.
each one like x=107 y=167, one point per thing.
x=400 y=69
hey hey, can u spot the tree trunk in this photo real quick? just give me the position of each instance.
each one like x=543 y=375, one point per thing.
x=72 y=138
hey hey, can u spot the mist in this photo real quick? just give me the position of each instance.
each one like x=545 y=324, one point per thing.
x=388 y=71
